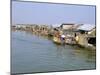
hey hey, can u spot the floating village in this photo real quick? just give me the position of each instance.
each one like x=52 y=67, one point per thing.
x=82 y=35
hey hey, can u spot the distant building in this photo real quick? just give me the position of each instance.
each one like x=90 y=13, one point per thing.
x=70 y=26
x=67 y=26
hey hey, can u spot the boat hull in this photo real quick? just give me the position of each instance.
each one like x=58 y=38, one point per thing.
x=56 y=40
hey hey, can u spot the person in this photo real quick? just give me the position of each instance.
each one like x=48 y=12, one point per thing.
x=63 y=38
x=75 y=35
x=76 y=38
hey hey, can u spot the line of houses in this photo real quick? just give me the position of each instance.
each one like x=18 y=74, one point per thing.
x=67 y=28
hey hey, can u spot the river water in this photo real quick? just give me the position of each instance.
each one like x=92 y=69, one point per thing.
x=33 y=53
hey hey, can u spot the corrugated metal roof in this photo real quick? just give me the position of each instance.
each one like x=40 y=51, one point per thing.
x=86 y=27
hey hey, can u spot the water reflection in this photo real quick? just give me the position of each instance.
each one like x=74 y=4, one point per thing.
x=89 y=55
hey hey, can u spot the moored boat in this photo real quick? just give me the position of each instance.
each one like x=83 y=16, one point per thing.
x=56 y=40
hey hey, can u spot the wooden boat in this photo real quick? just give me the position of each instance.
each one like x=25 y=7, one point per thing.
x=88 y=47
x=56 y=40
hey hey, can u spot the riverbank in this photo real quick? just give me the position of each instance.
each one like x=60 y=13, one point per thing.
x=70 y=37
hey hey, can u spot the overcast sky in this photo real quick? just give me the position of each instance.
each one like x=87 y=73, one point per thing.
x=44 y=13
